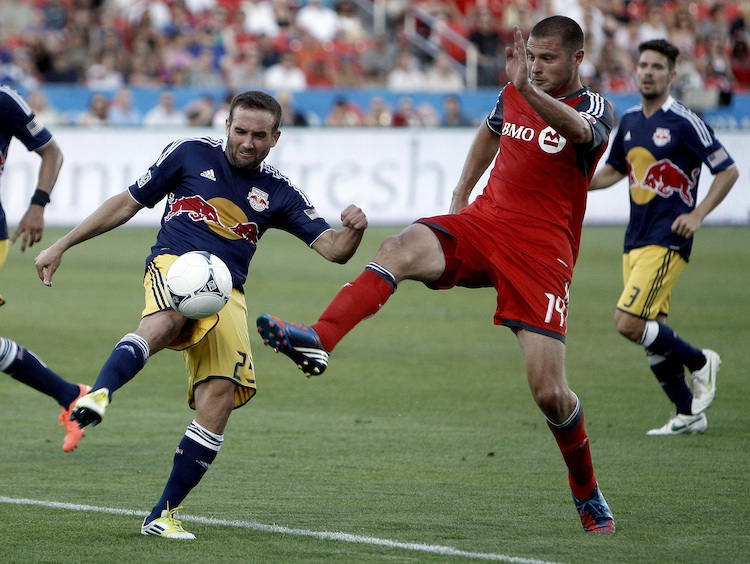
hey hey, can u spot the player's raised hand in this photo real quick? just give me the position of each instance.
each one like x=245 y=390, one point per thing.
x=46 y=264
x=354 y=218
x=516 y=65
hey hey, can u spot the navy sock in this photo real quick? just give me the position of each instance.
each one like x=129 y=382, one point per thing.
x=126 y=360
x=192 y=459
x=671 y=375
x=22 y=365
x=661 y=339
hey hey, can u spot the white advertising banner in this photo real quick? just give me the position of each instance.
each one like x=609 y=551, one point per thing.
x=395 y=175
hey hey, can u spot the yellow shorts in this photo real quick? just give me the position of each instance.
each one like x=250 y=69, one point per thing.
x=4 y=246
x=214 y=347
x=649 y=274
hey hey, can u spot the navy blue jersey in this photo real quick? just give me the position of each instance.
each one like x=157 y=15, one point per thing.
x=214 y=207
x=17 y=120
x=662 y=156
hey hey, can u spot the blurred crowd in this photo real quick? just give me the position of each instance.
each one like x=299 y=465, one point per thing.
x=289 y=46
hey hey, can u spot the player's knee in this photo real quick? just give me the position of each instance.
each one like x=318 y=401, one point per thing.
x=551 y=399
x=629 y=326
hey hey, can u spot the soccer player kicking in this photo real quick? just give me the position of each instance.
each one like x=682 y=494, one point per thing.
x=661 y=146
x=220 y=200
x=520 y=236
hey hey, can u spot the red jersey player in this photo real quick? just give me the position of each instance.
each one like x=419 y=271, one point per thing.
x=520 y=236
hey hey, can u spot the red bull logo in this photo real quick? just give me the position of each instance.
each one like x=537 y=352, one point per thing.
x=665 y=178
x=248 y=231
x=196 y=208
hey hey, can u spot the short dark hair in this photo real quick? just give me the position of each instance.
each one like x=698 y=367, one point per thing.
x=257 y=100
x=661 y=46
x=563 y=27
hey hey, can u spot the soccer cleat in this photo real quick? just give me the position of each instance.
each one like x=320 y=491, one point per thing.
x=73 y=433
x=167 y=526
x=704 y=382
x=89 y=410
x=595 y=514
x=299 y=342
x=681 y=424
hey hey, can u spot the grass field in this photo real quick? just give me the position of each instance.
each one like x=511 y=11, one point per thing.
x=421 y=443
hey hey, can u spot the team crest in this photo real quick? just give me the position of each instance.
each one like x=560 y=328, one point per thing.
x=550 y=141
x=258 y=199
x=662 y=136
x=143 y=179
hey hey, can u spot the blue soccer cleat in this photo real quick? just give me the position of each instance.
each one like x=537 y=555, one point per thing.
x=299 y=342
x=596 y=516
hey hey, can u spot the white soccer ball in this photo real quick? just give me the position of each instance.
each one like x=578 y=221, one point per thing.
x=198 y=284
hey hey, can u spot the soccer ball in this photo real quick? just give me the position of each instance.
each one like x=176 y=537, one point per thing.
x=198 y=284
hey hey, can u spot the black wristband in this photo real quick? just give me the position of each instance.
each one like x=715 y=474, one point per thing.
x=40 y=198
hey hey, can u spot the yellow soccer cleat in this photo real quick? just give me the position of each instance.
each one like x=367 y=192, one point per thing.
x=167 y=526
x=90 y=408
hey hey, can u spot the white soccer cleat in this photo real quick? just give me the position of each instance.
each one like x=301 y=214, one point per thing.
x=704 y=382
x=167 y=526
x=681 y=424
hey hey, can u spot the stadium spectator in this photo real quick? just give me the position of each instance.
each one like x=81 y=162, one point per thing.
x=216 y=350
x=97 y=112
x=453 y=114
x=407 y=76
x=200 y=112
x=663 y=222
x=244 y=70
x=350 y=27
x=378 y=114
x=317 y=19
x=344 y=113
x=654 y=25
x=260 y=17
x=441 y=76
x=165 y=112
x=290 y=116
x=379 y=59
x=490 y=44
x=740 y=61
x=285 y=75
x=44 y=112
x=405 y=114
x=348 y=73
x=524 y=205
x=122 y=112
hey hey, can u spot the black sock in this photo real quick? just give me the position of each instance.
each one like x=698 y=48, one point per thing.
x=671 y=375
x=194 y=455
x=23 y=365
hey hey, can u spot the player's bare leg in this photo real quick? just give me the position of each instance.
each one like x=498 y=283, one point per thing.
x=545 y=367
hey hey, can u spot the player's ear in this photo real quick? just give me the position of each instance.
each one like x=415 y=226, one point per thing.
x=276 y=135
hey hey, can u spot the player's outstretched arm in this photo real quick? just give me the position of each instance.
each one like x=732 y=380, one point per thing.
x=112 y=213
x=340 y=246
x=605 y=177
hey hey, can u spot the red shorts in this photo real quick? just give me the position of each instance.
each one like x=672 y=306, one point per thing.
x=482 y=250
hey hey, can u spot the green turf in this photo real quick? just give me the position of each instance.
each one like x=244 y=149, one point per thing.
x=421 y=431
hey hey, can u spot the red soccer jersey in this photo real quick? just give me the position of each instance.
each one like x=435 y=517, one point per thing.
x=540 y=180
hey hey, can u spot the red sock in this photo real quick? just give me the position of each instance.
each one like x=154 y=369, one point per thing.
x=356 y=301
x=574 y=445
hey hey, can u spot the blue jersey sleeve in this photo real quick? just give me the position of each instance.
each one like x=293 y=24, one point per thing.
x=19 y=121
